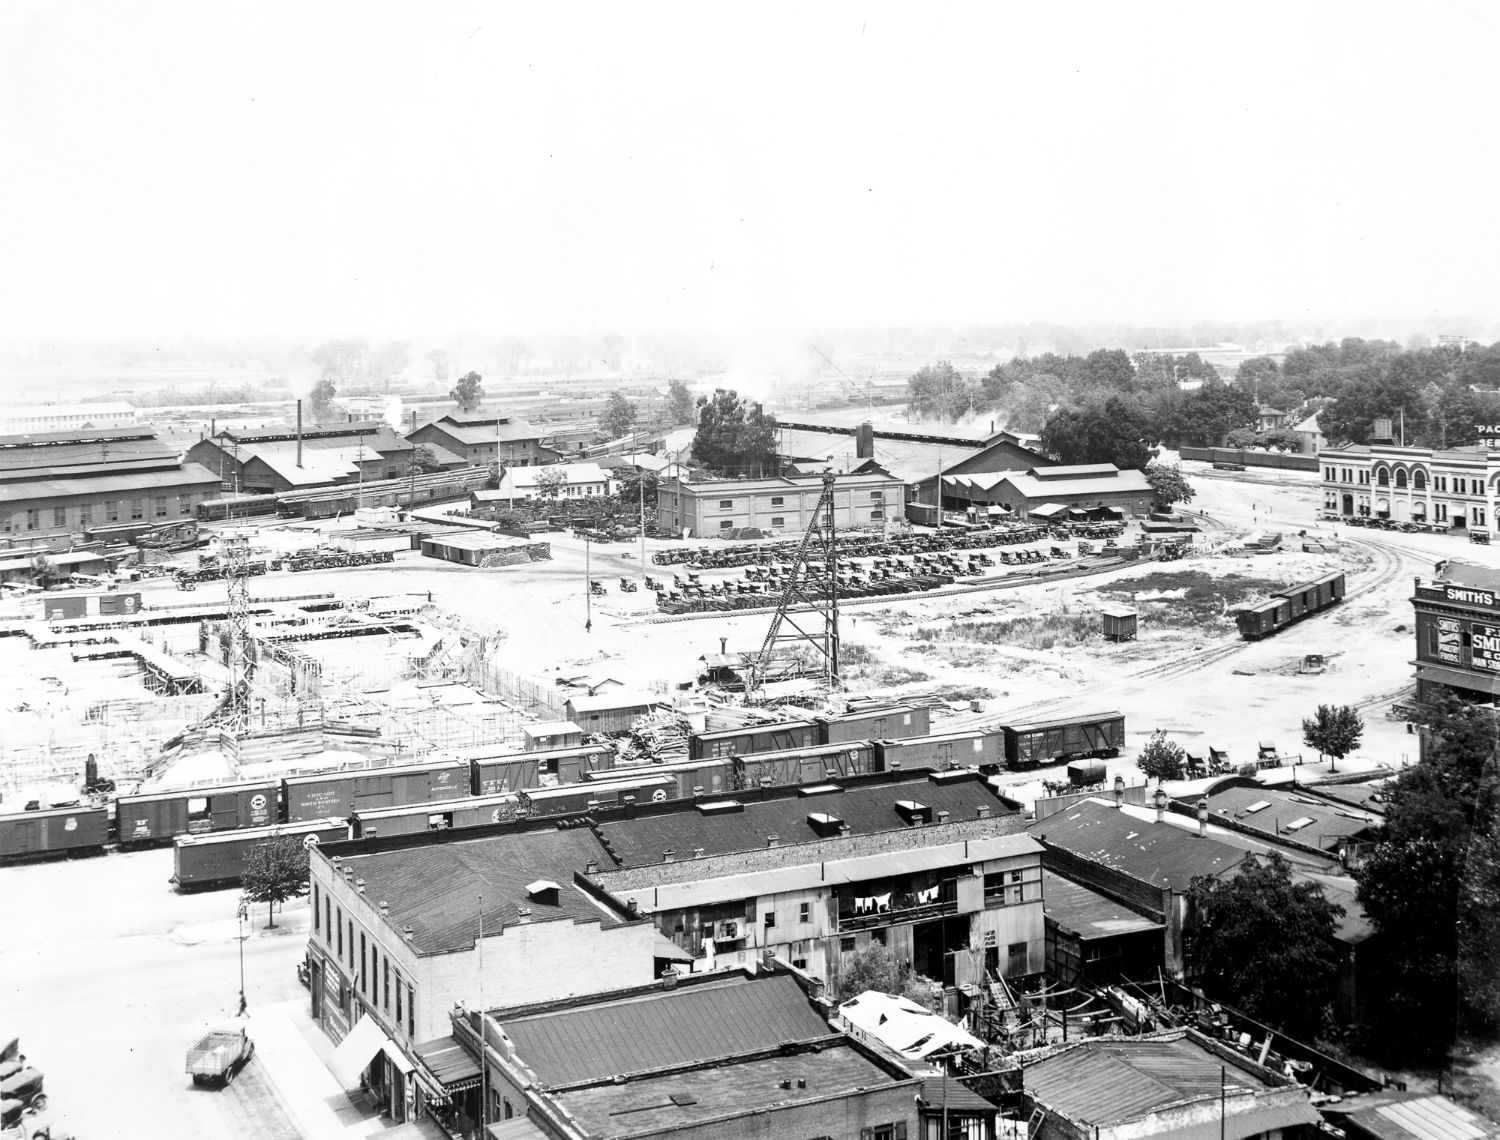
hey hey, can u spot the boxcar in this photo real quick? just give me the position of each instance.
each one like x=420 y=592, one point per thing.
x=209 y=862
x=945 y=750
x=894 y=722
x=693 y=777
x=337 y=794
x=53 y=833
x=159 y=817
x=1265 y=618
x=806 y=765
x=1064 y=738
x=509 y=772
x=1301 y=600
x=597 y=795
x=440 y=815
x=780 y=737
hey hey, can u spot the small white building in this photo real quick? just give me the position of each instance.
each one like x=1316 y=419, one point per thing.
x=578 y=481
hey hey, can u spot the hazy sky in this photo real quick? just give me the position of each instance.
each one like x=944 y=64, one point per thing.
x=420 y=169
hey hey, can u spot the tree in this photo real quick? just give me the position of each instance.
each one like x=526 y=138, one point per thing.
x=275 y=870
x=636 y=485
x=1264 y=942
x=43 y=571
x=734 y=438
x=468 y=392
x=320 y=401
x=1169 y=483
x=1165 y=759
x=940 y=390
x=873 y=968
x=679 y=403
x=1335 y=730
x=1111 y=431
x=618 y=417
x=549 y=483
x=441 y=366
x=423 y=461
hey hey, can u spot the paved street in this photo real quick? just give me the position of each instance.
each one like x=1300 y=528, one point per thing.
x=108 y=977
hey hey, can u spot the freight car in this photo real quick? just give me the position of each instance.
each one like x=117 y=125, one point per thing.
x=1095 y=735
x=892 y=722
x=440 y=815
x=1285 y=607
x=693 y=777
x=511 y=771
x=54 y=833
x=155 y=818
x=976 y=748
x=211 y=862
x=597 y=795
x=747 y=739
x=337 y=794
x=806 y=765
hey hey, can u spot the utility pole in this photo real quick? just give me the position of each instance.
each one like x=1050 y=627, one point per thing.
x=588 y=590
x=240 y=915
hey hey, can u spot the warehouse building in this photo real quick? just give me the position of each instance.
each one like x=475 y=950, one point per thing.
x=726 y=506
x=57 y=486
x=481 y=438
x=270 y=462
x=29 y=418
x=1089 y=490
x=1458 y=633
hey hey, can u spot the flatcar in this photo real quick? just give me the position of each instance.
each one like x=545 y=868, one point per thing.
x=806 y=765
x=1293 y=604
x=439 y=815
x=596 y=795
x=1053 y=741
x=976 y=748
x=511 y=771
x=53 y=833
x=693 y=777
x=893 y=722
x=747 y=739
x=337 y=794
x=212 y=862
x=155 y=818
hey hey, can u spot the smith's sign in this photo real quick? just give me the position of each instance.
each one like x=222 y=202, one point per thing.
x=1470 y=596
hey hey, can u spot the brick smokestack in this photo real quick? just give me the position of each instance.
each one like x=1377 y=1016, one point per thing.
x=864 y=441
x=299 y=433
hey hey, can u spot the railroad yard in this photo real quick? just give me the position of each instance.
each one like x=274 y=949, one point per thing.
x=412 y=659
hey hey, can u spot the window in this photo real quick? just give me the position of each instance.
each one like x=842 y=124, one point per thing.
x=779 y=520
x=364 y=974
x=59 y=516
x=340 y=929
x=877 y=496
x=351 y=942
x=137 y=509
x=317 y=914
x=1401 y=480
x=725 y=504
x=804 y=912
x=1383 y=478
x=161 y=506
x=769 y=919
x=1419 y=480
x=111 y=510
x=327 y=919
x=1440 y=482
x=776 y=501
x=846 y=946
x=411 y=1011
x=386 y=974
x=184 y=504
x=400 y=1017
x=1478 y=516
x=878 y=513
x=725 y=524
x=85 y=514
x=31 y=519
x=1013 y=887
x=1328 y=473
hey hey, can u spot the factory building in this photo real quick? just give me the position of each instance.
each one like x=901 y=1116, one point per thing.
x=874 y=501
x=484 y=438
x=271 y=462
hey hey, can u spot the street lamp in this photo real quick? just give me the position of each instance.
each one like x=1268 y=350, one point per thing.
x=241 y=914
x=588 y=591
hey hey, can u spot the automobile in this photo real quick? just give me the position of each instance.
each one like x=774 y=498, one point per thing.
x=220 y=1054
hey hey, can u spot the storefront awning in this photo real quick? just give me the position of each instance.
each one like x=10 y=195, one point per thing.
x=451 y=1066
x=397 y=1057
x=355 y=1052
x=1458 y=678
x=1049 y=510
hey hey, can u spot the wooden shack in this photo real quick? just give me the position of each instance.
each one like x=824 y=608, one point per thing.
x=1119 y=623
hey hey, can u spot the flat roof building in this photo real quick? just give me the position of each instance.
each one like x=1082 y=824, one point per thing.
x=481 y=438
x=703 y=509
x=1458 y=632
x=1452 y=488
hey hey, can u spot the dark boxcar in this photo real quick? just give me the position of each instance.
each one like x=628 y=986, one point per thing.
x=159 y=817
x=1064 y=738
x=111 y=605
x=64 y=609
x=806 y=765
x=780 y=737
x=509 y=772
x=208 y=862
x=601 y=795
x=894 y=722
x=440 y=815
x=337 y=794
x=53 y=833
x=693 y=777
x=1262 y=619
x=1297 y=600
x=946 y=750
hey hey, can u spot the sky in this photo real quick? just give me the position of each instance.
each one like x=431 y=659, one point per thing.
x=413 y=170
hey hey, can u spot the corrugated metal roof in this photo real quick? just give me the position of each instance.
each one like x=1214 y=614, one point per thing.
x=945 y=1092
x=1330 y=823
x=688 y=1025
x=1131 y=482
x=1087 y=915
x=1398 y=1115
x=1155 y=853
x=188 y=475
x=125 y=447
x=447 y=1060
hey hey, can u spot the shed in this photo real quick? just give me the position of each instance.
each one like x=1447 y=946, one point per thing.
x=550 y=735
x=1119 y=623
x=614 y=711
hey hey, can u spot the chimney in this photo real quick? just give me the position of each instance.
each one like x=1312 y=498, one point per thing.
x=983 y=811
x=523 y=914
x=723 y=645
x=942 y=816
x=843 y=830
x=1119 y=791
x=669 y=855
x=1161 y=806
x=864 y=441
x=773 y=840
x=591 y=867
x=385 y=908
x=697 y=853
x=407 y=932
x=1203 y=816
x=299 y=433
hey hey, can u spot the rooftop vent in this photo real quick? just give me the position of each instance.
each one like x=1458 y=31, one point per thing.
x=669 y=855
x=697 y=853
x=773 y=840
x=951 y=776
x=819 y=790
x=913 y=812
x=544 y=891
x=523 y=914
x=942 y=816
x=720 y=807
x=385 y=908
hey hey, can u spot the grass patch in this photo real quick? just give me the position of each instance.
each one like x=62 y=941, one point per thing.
x=853 y=653
x=1205 y=600
x=897 y=675
x=1040 y=631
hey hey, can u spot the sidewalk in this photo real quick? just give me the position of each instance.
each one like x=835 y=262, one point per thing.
x=294 y=1054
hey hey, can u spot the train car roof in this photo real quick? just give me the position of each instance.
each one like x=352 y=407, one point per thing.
x=573 y=789
x=479 y=756
x=240 y=834
x=607 y=775
x=771 y=726
x=862 y=714
x=793 y=753
x=383 y=770
x=965 y=734
x=431 y=807
x=1059 y=721
x=1260 y=607
x=202 y=790
x=49 y=813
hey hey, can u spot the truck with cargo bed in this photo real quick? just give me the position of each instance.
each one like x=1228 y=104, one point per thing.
x=219 y=1055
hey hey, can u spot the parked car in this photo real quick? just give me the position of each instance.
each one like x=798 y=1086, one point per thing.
x=219 y=1055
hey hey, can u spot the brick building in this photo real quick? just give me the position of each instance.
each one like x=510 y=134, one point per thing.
x=270 y=462
x=482 y=438
x=1458 y=632
x=1453 y=488
x=56 y=486
x=706 y=508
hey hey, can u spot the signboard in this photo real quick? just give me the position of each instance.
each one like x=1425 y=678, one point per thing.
x=1448 y=640
x=1470 y=596
x=1489 y=434
x=1486 y=647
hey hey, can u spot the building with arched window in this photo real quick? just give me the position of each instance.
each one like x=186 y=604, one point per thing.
x=1453 y=488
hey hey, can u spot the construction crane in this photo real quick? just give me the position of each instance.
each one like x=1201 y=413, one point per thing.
x=809 y=604
x=233 y=713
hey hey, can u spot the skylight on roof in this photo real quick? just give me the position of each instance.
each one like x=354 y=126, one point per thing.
x=1258 y=805
x=1299 y=823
